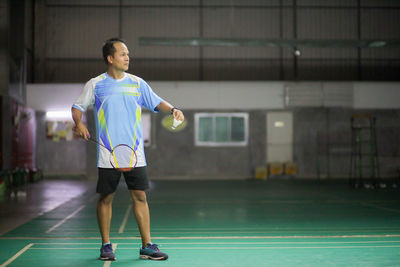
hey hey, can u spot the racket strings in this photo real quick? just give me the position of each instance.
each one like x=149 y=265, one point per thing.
x=123 y=156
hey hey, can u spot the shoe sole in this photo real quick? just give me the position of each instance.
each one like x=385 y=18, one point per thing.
x=145 y=257
x=107 y=259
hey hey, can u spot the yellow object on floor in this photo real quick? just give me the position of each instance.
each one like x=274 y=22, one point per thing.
x=290 y=168
x=275 y=168
x=260 y=173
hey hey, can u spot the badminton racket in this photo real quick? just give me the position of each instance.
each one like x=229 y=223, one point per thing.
x=122 y=157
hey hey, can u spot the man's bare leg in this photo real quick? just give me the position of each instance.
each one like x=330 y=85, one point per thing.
x=142 y=214
x=104 y=214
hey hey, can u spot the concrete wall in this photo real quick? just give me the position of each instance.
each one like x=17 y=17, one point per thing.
x=376 y=95
x=236 y=95
x=322 y=146
x=174 y=154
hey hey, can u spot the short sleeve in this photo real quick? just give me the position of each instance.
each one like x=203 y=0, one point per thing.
x=150 y=99
x=86 y=98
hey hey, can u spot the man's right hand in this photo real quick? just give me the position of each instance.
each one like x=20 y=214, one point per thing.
x=82 y=131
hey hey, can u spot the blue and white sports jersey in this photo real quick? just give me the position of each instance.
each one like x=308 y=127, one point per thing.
x=118 y=108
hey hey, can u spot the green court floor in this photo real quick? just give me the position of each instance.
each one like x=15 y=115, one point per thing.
x=223 y=223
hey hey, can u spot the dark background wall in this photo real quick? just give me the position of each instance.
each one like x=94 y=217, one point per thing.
x=322 y=141
x=67 y=37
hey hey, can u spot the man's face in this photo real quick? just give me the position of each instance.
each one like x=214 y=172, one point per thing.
x=120 y=59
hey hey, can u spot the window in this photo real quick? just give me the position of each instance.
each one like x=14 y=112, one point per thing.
x=221 y=129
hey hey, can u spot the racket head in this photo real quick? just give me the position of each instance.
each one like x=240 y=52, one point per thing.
x=123 y=158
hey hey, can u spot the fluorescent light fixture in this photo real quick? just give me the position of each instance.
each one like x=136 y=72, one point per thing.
x=377 y=44
x=285 y=43
x=59 y=115
x=279 y=124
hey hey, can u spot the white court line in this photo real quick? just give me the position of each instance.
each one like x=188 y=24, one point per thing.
x=122 y=227
x=64 y=248
x=19 y=253
x=253 y=248
x=65 y=219
x=77 y=228
x=223 y=243
x=268 y=228
x=108 y=263
x=300 y=202
x=207 y=237
x=237 y=232
x=251 y=232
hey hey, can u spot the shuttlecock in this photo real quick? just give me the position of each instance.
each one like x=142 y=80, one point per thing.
x=175 y=124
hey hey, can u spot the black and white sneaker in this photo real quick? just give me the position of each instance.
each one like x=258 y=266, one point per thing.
x=107 y=253
x=151 y=252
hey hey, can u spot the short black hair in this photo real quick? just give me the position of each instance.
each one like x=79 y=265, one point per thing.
x=109 y=49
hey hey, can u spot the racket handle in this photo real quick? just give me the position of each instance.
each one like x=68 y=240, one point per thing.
x=175 y=124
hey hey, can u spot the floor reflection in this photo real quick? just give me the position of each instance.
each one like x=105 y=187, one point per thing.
x=29 y=201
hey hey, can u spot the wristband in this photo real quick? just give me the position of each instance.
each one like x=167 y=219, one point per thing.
x=172 y=110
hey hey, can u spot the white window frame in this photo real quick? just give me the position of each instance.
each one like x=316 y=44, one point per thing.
x=243 y=115
x=146 y=124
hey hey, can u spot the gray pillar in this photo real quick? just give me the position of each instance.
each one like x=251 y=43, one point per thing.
x=4 y=47
x=39 y=63
x=6 y=145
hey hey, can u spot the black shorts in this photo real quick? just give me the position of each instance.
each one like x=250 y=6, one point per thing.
x=108 y=180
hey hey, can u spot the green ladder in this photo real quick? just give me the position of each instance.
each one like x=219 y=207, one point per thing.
x=364 y=163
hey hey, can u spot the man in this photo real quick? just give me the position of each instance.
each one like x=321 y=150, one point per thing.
x=117 y=98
